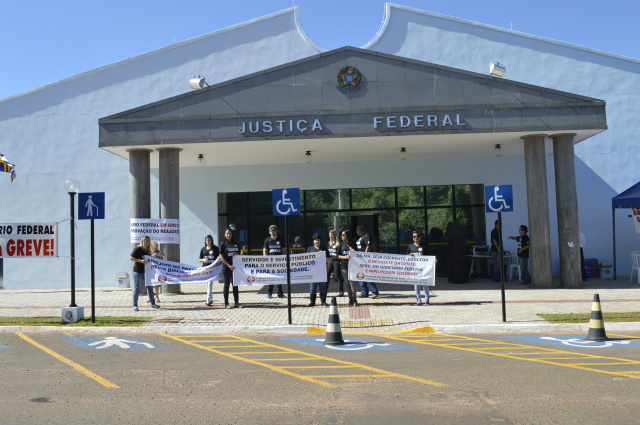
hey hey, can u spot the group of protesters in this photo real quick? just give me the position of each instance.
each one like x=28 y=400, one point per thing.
x=337 y=255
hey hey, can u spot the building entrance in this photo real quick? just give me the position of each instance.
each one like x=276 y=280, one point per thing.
x=391 y=214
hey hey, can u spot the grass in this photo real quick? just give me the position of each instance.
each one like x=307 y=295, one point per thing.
x=585 y=317
x=134 y=321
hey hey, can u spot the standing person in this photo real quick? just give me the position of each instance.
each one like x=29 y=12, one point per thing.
x=344 y=252
x=364 y=244
x=523 y=253
x=137 y=256
x=228 y=249
x=274 y=245
x=208 y=255
x=333 y=266
x=155 y=252
x=318 y=247
x=418 y=249
x=583 y=243
x=495 y=251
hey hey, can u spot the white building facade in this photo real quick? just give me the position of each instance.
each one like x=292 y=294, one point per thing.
x=53 y=133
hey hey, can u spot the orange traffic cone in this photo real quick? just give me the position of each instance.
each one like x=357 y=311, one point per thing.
x=334 y=333
x=596 y=324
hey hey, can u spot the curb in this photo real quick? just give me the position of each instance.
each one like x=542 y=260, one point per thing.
x=303 y=329
x=532 y=327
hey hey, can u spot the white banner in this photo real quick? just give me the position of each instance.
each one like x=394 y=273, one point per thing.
x=392 y=268
x=636 y=218
x=272 y=269
x=161 y=230
x=32 y=240
x=161 y=272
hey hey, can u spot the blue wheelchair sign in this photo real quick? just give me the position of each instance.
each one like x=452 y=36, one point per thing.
x=498 y=198
x=91 y=206
x=286 y=201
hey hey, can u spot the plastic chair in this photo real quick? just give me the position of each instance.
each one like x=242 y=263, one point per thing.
x=635 y=265
x=513 y=264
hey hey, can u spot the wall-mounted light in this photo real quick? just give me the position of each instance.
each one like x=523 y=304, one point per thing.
x=497 y=69
x=497 y=150
x=403 y=153
x=198 y=82
x=307 y=157
x=201 y=161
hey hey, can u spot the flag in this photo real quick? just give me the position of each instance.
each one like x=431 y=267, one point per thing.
x=7 y=167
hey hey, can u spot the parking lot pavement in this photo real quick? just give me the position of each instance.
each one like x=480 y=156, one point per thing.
x=470 y=307
x=410 y=378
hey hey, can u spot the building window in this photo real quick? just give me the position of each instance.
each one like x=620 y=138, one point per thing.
x=391 y=213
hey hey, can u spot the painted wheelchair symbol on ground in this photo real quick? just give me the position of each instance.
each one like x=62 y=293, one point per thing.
x=350 y=344
x=3 y=347
x=113 y=343
x=578 y=341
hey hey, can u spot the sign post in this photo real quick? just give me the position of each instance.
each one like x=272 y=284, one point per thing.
x=91 y=207
x=286 y=202
x=499 y=199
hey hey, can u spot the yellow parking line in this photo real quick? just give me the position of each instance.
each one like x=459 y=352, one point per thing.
x=626 y=336
x=282 y=360
x=517 y=356
x=283 y=369
x=350 y=376
x=71 y=363
x=232 y=346
x=316 y=367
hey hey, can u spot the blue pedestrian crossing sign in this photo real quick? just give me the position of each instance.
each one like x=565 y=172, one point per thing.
x=498 y=198
x=286 y=201
x=91 y=206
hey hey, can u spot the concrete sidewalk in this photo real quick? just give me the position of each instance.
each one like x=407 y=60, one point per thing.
x=470 y=307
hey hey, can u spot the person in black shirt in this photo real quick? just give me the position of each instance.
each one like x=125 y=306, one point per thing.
x=523 y=253
x=208 y=254
x=137 y=256
x=333 y=266
x=344 y=252
x=274 y=245
x=228 y=249
x=317 y=247
x=365 y=244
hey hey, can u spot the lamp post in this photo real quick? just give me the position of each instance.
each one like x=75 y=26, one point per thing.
x=72 y=186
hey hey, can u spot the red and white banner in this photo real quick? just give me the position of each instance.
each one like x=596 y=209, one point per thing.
x=636 y=218
x=161 y=272
x=161 y=230
x=272 y=269
x=31 y=240
x=392 y=268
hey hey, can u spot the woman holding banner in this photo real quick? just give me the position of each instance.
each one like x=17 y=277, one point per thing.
x=417 y=249
x=137 y=256
x=334 y=265
x=317 y=247
x=208 y=254
x=155 y=252
x=229 y=248
x=344 y=251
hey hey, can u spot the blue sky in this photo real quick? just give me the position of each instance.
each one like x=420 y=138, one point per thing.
x=42 y=41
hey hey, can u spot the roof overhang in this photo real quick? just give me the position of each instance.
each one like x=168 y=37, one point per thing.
x=274 y=116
